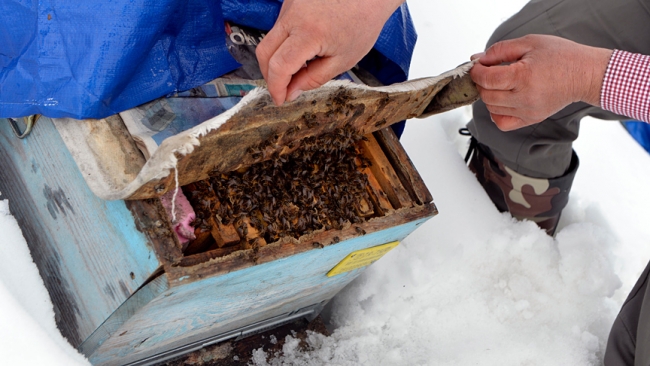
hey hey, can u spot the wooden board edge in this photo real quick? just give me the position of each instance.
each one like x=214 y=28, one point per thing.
x=122 y=314
x=404 y=167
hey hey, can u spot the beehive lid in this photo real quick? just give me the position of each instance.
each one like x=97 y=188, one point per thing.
x=252 y=130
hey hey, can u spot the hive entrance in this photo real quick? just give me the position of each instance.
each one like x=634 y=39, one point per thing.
x=327 y=183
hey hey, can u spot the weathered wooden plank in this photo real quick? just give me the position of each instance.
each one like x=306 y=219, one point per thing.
x=88 y=251
x=202 y=242
x=132 y=305
x=377 y=195
x=364 y=208
x=403 y=165
x=224 y=235
x=190 y=312
x=383 y=171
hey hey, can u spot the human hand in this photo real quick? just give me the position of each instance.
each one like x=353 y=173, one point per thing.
x=333 y=35
x=545 y=74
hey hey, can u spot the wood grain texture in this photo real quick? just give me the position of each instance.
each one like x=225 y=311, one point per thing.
x=404 y=168
x=377 y=195
x=383 y=171
x=88 y=251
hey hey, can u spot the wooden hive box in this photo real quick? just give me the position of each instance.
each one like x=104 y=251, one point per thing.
x=123 y=290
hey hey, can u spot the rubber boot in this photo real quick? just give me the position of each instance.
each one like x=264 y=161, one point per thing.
x=526 y=198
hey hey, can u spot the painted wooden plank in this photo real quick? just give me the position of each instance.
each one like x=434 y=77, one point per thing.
x=88 y=251
x=132 y=305
x=199 y=309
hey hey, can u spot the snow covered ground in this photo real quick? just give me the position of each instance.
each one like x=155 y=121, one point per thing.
x=470 y=287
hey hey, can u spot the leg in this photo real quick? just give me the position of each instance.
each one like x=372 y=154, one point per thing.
x=544 y=151
x=628 y=326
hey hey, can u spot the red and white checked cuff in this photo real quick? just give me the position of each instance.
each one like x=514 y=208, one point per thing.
x=626 y=87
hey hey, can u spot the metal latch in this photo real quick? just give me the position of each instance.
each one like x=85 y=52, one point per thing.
x=29 y=122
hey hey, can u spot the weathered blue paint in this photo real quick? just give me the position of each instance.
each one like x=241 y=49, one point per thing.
x=215 y=305
x=99 y=255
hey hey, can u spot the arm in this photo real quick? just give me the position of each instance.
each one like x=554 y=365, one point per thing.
x=545 y=75
x=333 y=35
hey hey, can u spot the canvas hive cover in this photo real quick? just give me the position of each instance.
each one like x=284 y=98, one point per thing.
x=114 y=169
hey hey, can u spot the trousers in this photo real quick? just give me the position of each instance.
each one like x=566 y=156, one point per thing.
x=545 y=150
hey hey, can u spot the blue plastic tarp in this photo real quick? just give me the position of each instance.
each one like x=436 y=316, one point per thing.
x=640 y=131
x=92 y=59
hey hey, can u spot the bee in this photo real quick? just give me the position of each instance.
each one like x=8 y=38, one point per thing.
x=255 y=152
x=292 y=130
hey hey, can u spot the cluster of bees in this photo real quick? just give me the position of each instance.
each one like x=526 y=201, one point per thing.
x=319 y=185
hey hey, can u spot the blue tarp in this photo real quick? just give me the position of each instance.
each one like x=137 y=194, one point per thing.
x=640 y=131
x=92 y=59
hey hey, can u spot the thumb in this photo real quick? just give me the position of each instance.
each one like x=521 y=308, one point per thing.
x=506 y=51
x=316 y=73
x=507 y=123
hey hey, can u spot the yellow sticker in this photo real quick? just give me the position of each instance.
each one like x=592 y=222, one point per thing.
x=361 y=258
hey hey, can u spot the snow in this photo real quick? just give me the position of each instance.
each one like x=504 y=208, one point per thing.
x=28 y=334
x=471 y=286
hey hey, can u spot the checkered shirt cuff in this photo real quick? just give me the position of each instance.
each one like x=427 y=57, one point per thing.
x=626 y=87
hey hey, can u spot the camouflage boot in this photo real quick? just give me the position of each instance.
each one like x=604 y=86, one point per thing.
x=536 y=199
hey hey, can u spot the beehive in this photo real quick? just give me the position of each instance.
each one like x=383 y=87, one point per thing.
x=123 y=289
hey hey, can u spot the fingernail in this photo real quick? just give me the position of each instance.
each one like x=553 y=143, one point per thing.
x=293 y=96
x=477 y=56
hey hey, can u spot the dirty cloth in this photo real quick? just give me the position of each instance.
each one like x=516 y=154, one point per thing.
x=92 y=59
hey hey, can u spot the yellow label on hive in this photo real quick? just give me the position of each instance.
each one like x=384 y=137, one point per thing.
x=361 y=258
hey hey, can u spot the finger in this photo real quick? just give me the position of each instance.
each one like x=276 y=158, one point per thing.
x=289 y=58
x=477 y=55
x=501 y=98
x=495 y=77
x=506 y=51
x=268 y=46
x=507 y=123
x=317 y=73
x=503 y=111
